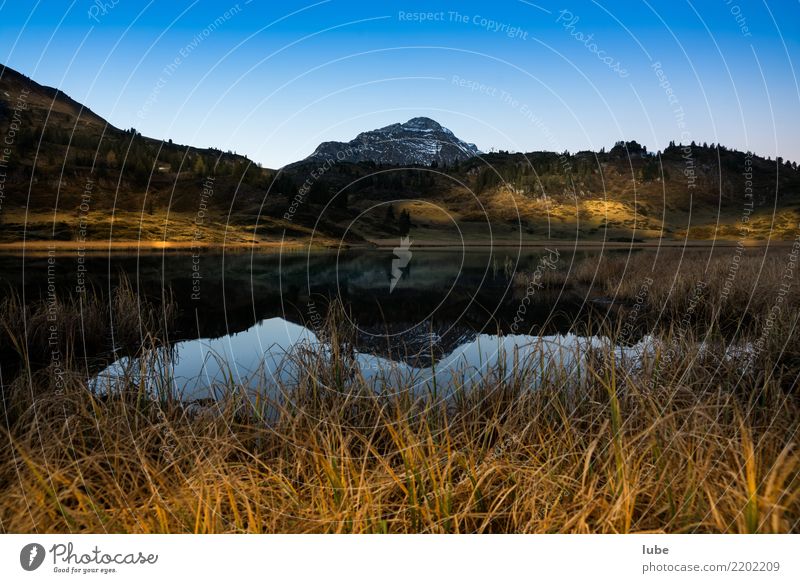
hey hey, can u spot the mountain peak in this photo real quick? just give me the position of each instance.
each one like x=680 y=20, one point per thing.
x=419 y=141
x=425 y=123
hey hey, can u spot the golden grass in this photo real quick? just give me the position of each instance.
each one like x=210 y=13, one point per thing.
x=694 y=442
x=730 y=285
x=81 y=324
x=159 y=230
x=680 y=458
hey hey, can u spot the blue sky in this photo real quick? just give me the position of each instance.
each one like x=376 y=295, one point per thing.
x=272 y=80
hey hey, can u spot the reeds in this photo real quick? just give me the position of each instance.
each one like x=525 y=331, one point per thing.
x=82 y=324
x=687 y=441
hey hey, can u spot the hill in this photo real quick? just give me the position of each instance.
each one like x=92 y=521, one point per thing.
x=68 y=175
x=627 y=193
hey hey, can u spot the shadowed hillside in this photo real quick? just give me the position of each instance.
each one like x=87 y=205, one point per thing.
x=66 y=169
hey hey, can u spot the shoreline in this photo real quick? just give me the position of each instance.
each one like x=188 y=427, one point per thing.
x=101 y=247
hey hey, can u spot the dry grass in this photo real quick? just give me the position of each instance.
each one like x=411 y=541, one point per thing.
x=688 y=441
x=81 y=324
x=727 y=285
x=133 y=229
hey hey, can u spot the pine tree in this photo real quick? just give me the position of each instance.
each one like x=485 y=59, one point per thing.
x=404 y=222
x=199 y=166
x=318 y=193
x=390 y=216
x=342 y=200
x=111 y=159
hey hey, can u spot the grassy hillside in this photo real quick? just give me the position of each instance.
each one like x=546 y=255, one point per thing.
x=70 y=176
x=695 y=191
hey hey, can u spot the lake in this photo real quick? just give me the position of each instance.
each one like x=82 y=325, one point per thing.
x=428 y=318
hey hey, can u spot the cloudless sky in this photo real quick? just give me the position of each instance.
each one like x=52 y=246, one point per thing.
x=273 y=79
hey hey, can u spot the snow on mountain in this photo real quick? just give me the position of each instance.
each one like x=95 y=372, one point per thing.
x=420 y=141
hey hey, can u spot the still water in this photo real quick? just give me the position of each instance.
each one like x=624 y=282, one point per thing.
x=436 y=319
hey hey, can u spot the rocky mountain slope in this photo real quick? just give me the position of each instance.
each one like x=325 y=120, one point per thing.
x=419 y=141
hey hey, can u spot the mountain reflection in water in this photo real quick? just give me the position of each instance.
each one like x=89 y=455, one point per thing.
x=450 y=318
x=270 y=355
